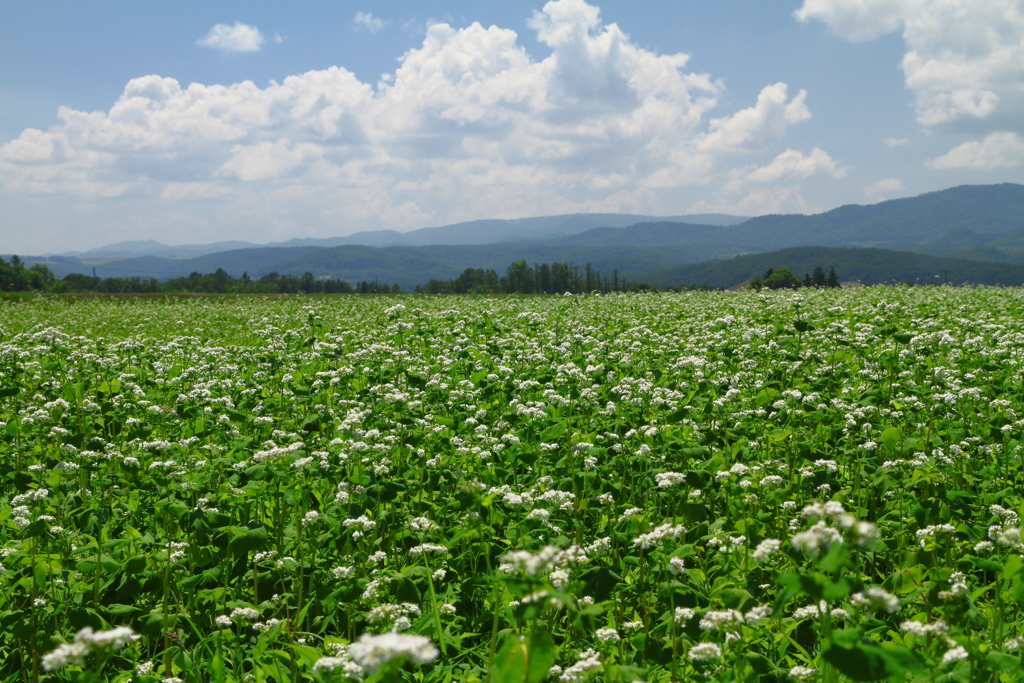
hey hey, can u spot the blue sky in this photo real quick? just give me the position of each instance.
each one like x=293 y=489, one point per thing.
x=321 y=119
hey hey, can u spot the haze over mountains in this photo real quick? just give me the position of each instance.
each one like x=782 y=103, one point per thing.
x=976 y=223
x=471 y=232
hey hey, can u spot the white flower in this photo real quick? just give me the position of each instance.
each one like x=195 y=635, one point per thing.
x=876 y=599
x=683 y=614
x=607 y=635
x=343 y=572
x=65 y=654
x=765 y=549
x=659 y=535
x=726 y=620
x=533 y=564
x=938 y=627
x=586 y=662
x=245 y=614
x=756 y=614
x=705 y=651
x=816 y=540
x=427 y=548
x=802 y=673
x=668 y=479
x=86 y=641
x=370 y=651
x=955 y=654
x=422 y=524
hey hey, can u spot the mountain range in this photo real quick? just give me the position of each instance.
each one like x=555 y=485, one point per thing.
x=980 y=223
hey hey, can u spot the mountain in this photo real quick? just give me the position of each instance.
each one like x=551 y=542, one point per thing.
x=899 y=223
x=135 y=248
x=493 y=231
x=1007 y=246
x=473 y=232
x=866 y=265
x=983 y=223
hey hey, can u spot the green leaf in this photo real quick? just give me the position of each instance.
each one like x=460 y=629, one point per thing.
x=867 y=661
x=891 y=437
x=552 y=432
x=248 y=540
x=903 y=337
x=116 y=610
x=134 y=565
x=998 y=661
x=817 y=586
x=541 y=653
x=510 y=662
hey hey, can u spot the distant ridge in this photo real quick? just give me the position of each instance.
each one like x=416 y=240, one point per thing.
x=981 y=223
x=865 y=265
x=490 y=231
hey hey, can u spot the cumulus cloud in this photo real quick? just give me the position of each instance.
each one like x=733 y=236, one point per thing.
x=998 y=150
x=963 y=59
x=790 y=166
x=238 y=38
x=365 y=21
x=468 y=125
x=877 y=191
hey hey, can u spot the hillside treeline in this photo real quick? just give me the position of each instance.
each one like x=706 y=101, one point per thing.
x=541 y=278
x=39 y=278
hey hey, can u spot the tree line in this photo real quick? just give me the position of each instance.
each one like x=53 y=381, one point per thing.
x=540 y=278
x=519 y=278
x=15 y=277
x=783 y=278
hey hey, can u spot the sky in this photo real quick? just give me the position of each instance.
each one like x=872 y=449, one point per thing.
x=195 y=122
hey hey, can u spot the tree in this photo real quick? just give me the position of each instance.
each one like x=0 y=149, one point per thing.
x=818 y=277
x=833 y=279
x=781 y=279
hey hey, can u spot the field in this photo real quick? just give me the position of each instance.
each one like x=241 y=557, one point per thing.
x=661 y=487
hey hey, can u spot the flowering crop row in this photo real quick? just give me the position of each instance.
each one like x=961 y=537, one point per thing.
x=672 y=487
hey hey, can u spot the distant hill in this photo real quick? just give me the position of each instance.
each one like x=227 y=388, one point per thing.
x=983 y=223
x=866 y=265
x=1007 y=246
x=897 y=223
x=473 y=232
x=522 y=229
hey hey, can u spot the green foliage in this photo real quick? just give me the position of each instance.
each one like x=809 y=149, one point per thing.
x=823 y=484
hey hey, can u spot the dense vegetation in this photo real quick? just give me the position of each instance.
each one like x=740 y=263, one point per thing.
x=662 y=487
x=981 y=223
x=38 y=278
x=541 y=278
x=869 y=266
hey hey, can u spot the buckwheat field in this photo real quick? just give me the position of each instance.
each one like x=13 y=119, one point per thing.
x=660 y=487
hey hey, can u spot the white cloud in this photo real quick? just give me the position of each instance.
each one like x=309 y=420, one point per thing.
x=756 y=127
x=896 y=142
x=856 y=20
x=789 y=166
x=365 y=21
x=468 y=125
x=997 y=150
x=238 y=38
x=877 y=191
x=963 y=58
x=759 y=202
